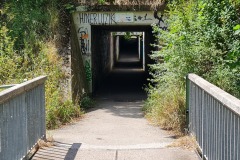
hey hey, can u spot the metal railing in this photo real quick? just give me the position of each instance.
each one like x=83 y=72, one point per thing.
x=214 y=119
x=7 y=86
x=22 y=118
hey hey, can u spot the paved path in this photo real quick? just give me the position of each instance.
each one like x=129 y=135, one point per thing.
x=113 y=131
x=116 y=128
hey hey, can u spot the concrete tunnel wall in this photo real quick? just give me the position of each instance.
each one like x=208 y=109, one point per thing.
x=90 y=64
x=102 y=56
x=105 y=48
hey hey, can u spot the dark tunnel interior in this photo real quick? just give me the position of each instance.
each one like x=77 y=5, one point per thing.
x=130 y=44
x=122 y=77
x=128 y=53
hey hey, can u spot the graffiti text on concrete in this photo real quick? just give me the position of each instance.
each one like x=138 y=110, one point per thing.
x=97 y=18
x=160 y=20
x=146 y=17
x=84 y=41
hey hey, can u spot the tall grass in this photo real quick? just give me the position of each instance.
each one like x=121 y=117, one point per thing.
x=29 y=48
x=167 y=109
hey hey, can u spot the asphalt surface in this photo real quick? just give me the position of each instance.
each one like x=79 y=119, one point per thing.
x=115 y=129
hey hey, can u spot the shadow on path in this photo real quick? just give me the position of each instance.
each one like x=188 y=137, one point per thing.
x=60 y=151
x=118 y=108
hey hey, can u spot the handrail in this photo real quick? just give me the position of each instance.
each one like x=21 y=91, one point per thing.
x=7 y=86
x=20 y=88
x=225 y=98
x=22 y=118
x=214 y=119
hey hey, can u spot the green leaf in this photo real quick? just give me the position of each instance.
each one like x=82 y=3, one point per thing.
x=237 y=32
x=237 y=27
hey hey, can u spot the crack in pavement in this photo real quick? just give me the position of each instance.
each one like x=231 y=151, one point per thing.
x=116 y=155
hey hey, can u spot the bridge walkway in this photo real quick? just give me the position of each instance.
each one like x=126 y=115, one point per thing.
x=116 y=128
x=113 y=131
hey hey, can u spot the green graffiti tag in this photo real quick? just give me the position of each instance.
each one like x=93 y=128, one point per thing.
x=88 y=71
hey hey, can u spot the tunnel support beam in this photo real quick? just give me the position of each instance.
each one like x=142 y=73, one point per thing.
x=79 y=84
x=143 y=52
x=139 y=47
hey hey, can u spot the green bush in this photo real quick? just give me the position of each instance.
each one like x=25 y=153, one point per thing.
x=101 y=2
x=86 y=102
x=28 y=49
x=203 y=37
x=67 y=111
x=61 y=113
x=10 y=62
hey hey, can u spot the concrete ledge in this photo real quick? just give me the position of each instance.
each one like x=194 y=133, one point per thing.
x=21 y=88
x=225 y=98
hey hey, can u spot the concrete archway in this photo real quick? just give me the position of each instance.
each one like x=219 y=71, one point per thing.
x=97 y=48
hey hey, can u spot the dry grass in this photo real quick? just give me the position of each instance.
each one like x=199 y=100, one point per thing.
x=46 y=143
x=152 y=3
x=185 y=142
x=167 y=109
x=52 y=53
x=138 y=2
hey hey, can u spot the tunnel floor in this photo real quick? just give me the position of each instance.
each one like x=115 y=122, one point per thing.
x=126 y=82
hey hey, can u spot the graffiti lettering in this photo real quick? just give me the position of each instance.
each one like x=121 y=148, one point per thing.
x=142 y=18
x=146 y=18
x=84 y=41
x=160 y=20
x=97 y=18
x=138 y=18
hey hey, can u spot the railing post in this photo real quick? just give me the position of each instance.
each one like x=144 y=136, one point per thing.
x=187 y=103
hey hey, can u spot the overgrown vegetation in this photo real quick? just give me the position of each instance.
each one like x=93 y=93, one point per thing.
x=32 y=33
x=125 y=2
x=203 y=37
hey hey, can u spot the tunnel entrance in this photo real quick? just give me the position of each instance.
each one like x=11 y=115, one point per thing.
x=110 y=51
x=120 y=61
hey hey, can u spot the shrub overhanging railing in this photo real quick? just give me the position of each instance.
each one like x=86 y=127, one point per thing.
x=214 y=119
x=22 y=118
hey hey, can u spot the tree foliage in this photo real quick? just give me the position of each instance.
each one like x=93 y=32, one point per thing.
x=29 y=48
x=203 y=37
